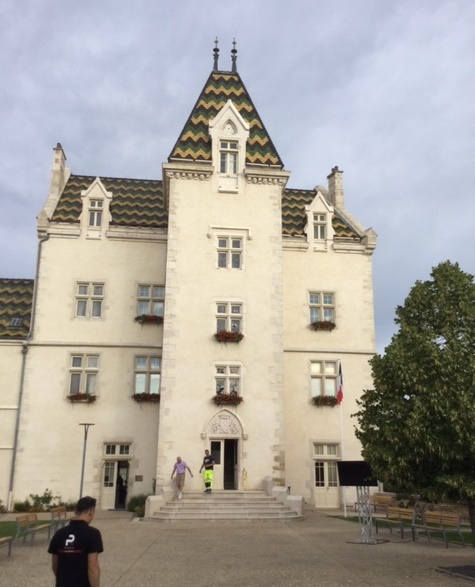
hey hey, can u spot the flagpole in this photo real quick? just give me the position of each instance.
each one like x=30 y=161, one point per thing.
x=340 y=402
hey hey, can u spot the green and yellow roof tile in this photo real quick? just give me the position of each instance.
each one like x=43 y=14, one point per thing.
x=16 y=296
x=194 y=142
x=294 y=216
x=135 y=202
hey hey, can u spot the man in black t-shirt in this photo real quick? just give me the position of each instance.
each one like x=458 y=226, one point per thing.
x=75 y=549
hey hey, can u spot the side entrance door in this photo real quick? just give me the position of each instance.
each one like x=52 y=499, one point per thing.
x=114 y=485
x=225 y=454
x=326 y=484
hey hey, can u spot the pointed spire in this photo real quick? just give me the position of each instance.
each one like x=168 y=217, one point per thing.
x=234 y=56
x=216 y=55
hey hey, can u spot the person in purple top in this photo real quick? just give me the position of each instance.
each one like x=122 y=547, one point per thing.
x=180 y=468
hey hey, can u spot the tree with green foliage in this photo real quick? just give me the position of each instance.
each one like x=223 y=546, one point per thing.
x=417 y=426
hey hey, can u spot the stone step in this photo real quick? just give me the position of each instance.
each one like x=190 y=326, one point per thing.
x=222 y=509
x=165 y=517
x=222 y=506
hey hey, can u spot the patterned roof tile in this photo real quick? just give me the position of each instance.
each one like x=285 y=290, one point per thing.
x=194 y=142
x=294 y=217
x=135 y=202
x=16 y=297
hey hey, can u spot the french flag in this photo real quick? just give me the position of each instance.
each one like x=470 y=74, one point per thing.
x=339 y=386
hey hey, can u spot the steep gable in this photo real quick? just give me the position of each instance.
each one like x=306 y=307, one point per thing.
x=194 y=142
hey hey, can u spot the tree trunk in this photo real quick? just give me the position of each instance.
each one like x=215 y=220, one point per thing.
x=471 y=515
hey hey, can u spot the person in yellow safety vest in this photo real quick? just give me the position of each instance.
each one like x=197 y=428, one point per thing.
x=208 y=466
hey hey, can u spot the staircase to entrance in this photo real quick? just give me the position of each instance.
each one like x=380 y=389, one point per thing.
x=223 y=506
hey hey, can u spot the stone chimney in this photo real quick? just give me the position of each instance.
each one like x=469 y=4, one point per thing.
x=58 y=171
x=59 y=176
x=336 y=195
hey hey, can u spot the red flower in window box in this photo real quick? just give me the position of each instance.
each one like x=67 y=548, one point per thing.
x=323 y=325
x=149 y=319
x=228 y=336
x=85 y=398
x=147 y=397
x=324 y=400
x=227 y=399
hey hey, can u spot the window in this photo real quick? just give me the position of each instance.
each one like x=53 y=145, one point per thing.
x=147 y=375
x=228 y=157
x=326 y=450
x=229 y=252
x=323 y=378
x=16 y=322
x=109 y=470
x=322 y=307
x=89 y=300
x=95 y=213
x=228 y=379
x=326 y=472
x=150 y=300
x=319 y=226
x=117 y=449
x=83 y=374
x=228 y=317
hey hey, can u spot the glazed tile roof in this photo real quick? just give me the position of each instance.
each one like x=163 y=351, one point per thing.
x=135 y=202
x=294 y=217
x=140 y=202
x=194 y=143
x=16 y=297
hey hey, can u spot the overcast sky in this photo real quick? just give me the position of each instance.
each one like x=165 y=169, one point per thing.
x=385 y=89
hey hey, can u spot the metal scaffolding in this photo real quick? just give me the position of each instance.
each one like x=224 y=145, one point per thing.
x=364 y=514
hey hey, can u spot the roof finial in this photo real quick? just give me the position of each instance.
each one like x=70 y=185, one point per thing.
x=216 y=55
x=234 y=56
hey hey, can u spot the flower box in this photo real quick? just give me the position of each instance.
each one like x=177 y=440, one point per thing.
x=148 y=319
x=147 y=397
x=85 y=398
x=324 y=400
x=323 y=325
x=227 y=399
x=228 y=336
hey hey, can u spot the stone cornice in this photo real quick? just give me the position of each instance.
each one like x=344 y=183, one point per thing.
x=188 y=174
x=266 y=177
x=188 y=171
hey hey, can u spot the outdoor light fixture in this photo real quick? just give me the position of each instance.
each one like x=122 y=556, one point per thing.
x=86 y=429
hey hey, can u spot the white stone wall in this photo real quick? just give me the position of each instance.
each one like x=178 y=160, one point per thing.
x=351 y=342
x=51 y=440
x=11 y=357
x=194 y=285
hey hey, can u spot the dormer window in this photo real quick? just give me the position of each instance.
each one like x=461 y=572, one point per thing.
x=95 y=213
x=319 y=226
x=228 y=157
x=229 y=134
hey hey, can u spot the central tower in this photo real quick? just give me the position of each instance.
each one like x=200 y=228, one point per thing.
x=223 y=324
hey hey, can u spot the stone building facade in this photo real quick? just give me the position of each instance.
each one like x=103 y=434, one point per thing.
x=214 y=308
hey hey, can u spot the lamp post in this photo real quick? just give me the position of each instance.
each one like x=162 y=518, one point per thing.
x=86 y=430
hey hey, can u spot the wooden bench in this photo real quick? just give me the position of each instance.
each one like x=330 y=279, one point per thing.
x=382 y=501
x=7 y=540
x=439 y=522
x=28 y=525
x=395 y=516
x=59 y=517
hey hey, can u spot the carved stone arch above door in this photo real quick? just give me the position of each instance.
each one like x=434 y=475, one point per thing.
x=224 y=423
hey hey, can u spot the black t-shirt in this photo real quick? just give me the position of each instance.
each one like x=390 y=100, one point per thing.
x=208 y=462
x=73 y=544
